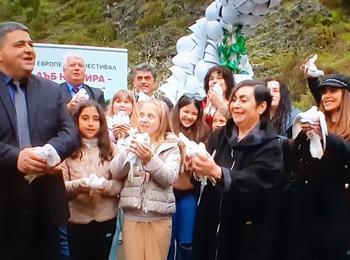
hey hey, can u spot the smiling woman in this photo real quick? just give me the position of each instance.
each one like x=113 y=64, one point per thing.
x=234 y=218
x=320 y=208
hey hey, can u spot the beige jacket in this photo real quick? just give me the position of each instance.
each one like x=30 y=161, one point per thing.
x=86 y=207
x=150 y=188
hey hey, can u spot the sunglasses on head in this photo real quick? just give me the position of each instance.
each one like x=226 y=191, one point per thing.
x=194 y=96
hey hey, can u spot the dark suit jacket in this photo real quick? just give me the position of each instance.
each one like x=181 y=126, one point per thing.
x=94 y=93
x=49 y=122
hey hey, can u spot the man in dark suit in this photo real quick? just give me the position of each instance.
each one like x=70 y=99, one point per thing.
x=32 y=113
x=74 y=72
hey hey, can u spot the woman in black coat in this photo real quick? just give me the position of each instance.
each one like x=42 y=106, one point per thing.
x=236 y=208
x=320 y=209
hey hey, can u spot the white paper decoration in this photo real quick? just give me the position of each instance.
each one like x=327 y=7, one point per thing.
x=198 y=51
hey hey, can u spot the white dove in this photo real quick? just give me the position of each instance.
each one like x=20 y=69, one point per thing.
x=311 y=116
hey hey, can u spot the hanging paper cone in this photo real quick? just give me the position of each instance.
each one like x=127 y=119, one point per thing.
x=185 y=43
x=230 y=14
x=260 y=9
x=260 y=1
x=201 y=70
x=246 y=7
x=212 y=13
x=214 y=30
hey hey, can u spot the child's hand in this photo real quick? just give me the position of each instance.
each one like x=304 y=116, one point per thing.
x=121 y=131
x=104 y=188
x=84 y=186
x=143 y=151
x=188 y=166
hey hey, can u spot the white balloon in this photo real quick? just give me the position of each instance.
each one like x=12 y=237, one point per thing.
x=226 y=26
x=223 y=2
x=241 y=77
x=246 y=7
x=179 y=73
x=214 y=30
x=199 y=28
x=260 y=9
x=192 y=84
x=260 y=1
x=194 y=59
x=201 y=70
x=199 y=41
x=213 y=43
x=197 y=51
x=211 y=50
x=185 y=43
x=244 y=60
x=183 y=60
x=274 y=3
x=211 y=58
x=170 y=91
x=230 y=15
x=238 y=3
x=212 y=13
x=249 y=20
x=247 y=67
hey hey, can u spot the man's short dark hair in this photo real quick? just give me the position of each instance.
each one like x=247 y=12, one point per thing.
x=7 y=27
x=142 y=67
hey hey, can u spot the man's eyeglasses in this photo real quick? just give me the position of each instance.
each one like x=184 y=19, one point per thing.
x=194 y=96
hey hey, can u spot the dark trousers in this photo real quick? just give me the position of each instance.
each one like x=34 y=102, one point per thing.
x=91 y=241
x=30 y=238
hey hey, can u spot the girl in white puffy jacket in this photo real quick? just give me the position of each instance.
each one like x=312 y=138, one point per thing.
x=147 y=196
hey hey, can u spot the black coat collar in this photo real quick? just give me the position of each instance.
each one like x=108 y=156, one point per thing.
x=259 y=135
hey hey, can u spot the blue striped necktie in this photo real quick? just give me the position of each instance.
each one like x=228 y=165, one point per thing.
x=21 y=116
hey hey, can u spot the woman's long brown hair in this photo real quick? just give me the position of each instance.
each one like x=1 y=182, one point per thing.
x=342 y=126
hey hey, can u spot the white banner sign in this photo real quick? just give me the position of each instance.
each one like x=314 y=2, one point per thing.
x=106 y=68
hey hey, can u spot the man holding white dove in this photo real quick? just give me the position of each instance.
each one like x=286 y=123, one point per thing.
x=36 y=133
x=74 y=90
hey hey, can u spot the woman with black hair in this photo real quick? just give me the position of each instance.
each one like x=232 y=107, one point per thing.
x=236 y=207
x=282 y=113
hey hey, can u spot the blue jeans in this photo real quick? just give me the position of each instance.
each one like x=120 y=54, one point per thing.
x=115 y=244
x=183 y=228
x=62 y=237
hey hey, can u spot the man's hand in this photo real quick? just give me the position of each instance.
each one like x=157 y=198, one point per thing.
x=72 y=104
x=28 y=162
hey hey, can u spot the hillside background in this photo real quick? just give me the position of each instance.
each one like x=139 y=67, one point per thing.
x=150 y=30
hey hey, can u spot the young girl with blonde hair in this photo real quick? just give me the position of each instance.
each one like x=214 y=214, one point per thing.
x=147 y=196
x=123 y=101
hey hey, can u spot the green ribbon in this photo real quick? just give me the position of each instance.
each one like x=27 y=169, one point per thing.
x=230 y=54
